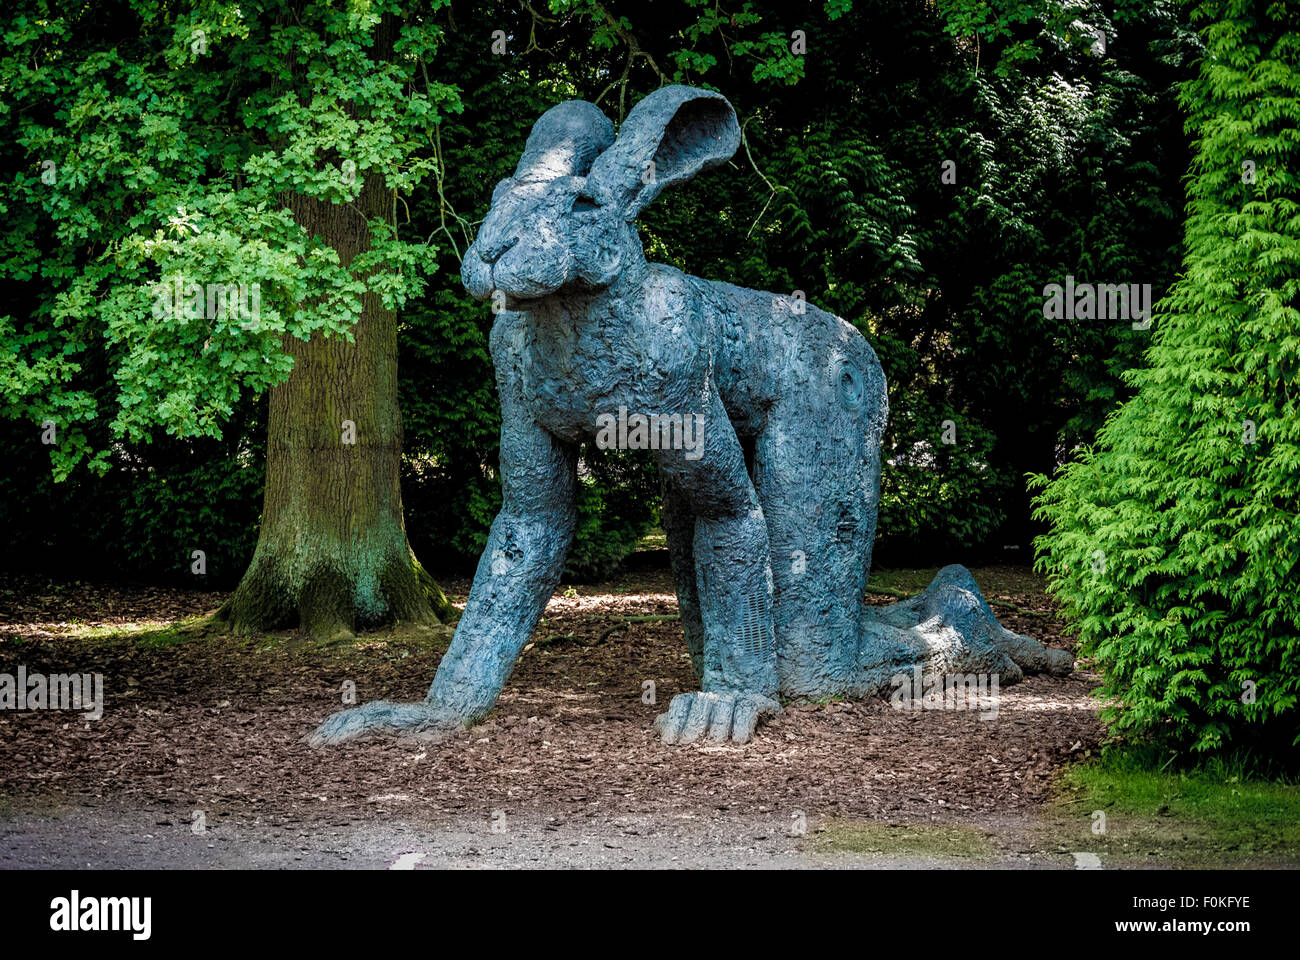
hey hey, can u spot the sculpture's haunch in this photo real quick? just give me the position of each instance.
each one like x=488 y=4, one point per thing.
x=765 y=415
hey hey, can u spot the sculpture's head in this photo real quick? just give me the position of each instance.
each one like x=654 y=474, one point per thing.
x=566 y=219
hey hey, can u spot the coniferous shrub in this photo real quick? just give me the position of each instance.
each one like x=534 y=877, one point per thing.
x=1175 y=540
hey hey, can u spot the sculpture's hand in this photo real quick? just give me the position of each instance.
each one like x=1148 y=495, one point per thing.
x=421 y=720
x=725 y=715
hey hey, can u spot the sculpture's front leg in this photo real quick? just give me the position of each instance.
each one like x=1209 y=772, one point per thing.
x=735 y=589
x=516 y=576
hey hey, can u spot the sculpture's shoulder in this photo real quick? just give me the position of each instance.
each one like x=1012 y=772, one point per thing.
x=668 y=301
x=662 y=283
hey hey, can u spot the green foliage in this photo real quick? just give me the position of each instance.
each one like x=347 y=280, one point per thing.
x=146 y=515
x=617 y=495
x=1175 y=540
x=935 y=496
x=153 y=144
x=154 y=148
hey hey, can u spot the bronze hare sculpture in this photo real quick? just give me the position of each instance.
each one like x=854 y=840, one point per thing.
x=770 y=525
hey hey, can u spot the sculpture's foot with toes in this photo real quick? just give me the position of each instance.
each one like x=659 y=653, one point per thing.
x=725 y=715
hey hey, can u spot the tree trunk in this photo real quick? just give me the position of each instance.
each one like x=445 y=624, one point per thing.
x=332 y=554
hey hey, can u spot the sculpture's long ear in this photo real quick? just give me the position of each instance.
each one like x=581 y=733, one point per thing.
x=564 y=141
x=667 y=138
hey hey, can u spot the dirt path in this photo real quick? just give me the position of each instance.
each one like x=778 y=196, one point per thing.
x=384 y=837
x=568 y=762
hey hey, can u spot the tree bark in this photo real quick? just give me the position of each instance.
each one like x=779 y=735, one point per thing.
x=332 y=554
